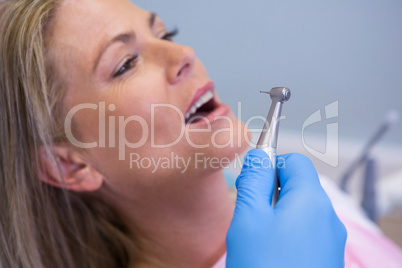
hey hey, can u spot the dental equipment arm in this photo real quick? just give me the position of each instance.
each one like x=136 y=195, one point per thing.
x=390 y=119
x=269 y=135
x=302 y=230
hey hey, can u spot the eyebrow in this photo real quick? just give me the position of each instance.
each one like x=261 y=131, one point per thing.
x=152 y=19
x=124 y=38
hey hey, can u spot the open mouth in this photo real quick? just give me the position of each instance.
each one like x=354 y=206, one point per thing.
x=205 y=105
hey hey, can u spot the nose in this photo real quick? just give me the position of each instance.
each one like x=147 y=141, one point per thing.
x=180 y=62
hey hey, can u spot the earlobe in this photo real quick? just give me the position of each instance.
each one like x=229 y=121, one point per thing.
x=68 y=169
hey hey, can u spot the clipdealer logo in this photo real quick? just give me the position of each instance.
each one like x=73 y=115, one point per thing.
x=331 y=154
x=115 y=126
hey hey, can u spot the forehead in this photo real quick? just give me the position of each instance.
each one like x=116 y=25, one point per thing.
x=93 y=17
x=80 y=27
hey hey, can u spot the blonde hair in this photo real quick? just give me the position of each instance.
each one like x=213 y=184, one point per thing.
x=44 y=226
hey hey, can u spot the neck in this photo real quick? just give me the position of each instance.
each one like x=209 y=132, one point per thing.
x=186 y=226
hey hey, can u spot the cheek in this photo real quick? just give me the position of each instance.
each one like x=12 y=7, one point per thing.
x=82 y=124
x=166 y=125
x=142 y=128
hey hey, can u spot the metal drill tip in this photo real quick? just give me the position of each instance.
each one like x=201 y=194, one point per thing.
x=267 y=92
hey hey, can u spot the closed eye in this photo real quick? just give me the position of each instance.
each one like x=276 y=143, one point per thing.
x=129 y=64
x=168 y=36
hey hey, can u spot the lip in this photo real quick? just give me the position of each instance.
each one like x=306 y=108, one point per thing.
x=220 y=110
x=201 y=91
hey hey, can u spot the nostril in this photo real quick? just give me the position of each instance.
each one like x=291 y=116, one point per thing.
x=180 y=63
x=183 y=70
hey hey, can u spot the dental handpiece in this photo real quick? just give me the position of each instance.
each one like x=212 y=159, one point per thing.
x=269 y=134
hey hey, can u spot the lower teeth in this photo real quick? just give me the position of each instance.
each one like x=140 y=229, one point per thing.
x=197 y=117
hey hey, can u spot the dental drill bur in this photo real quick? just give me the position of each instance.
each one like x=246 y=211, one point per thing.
x=269 y=134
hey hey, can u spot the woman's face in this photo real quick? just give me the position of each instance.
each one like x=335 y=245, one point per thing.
x=129 y=89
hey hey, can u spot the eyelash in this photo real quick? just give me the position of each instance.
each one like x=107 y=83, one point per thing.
x=168 y=36
x=130 y=63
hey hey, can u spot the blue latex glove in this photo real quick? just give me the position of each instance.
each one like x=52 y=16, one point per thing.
x=302 y=230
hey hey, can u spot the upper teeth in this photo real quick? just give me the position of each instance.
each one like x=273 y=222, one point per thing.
x=201 y=101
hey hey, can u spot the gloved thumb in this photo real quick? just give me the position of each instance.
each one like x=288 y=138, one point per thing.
x=256 y=181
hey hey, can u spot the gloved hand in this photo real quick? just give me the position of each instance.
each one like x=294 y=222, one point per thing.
x=302 y=230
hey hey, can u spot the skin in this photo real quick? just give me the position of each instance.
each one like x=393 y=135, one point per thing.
x=186 y=213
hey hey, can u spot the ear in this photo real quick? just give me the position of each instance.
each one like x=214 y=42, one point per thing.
x=70 y=170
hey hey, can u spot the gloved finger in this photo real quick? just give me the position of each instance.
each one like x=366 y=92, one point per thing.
x=296 y=170
x=256 y=181
x=299 y=181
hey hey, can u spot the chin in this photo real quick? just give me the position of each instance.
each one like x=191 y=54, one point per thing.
x=236 y=144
